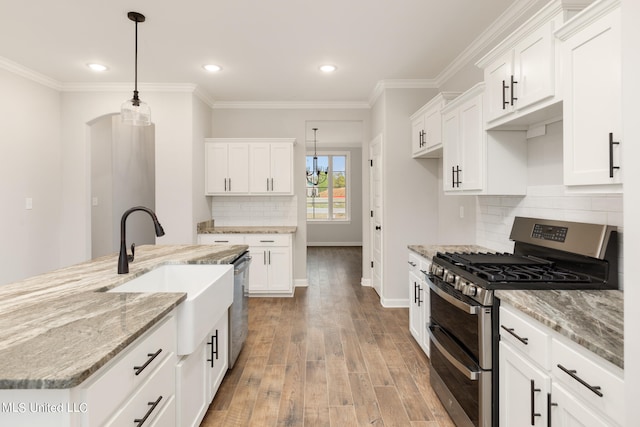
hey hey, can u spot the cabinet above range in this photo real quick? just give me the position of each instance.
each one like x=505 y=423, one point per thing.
x=523 y=73
x=249 y=166
x=426 y=127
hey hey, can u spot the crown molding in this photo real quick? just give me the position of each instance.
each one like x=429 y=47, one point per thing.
x=285 y=105
x=382 y=85
x=27 y=73
x=127 y=87
x=487 y=39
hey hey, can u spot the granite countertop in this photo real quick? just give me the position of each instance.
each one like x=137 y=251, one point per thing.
x=428 y=251
x=593 y=319
x=248 y=230
x=58 y=328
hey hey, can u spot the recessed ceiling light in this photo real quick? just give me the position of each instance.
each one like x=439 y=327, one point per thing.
x=212 y=68
x=328 y=68
x=97 y=67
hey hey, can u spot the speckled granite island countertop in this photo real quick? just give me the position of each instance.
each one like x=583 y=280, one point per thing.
x=428 y=251
x=593 y=319
x=58 y=328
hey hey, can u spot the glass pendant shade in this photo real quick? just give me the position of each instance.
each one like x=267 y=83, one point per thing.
x=135 y=112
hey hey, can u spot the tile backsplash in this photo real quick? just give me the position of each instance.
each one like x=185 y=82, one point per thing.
x=254 y=211
x=495 y=214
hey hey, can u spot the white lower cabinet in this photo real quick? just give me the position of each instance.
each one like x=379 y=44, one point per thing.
x=419 y=311
x=271 y=271
x=199 y=374
x=547 y=379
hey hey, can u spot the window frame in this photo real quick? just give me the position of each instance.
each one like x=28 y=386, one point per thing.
x=347 y=173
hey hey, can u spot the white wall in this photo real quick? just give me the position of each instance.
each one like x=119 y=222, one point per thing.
x=284 y=123
x=201 y=129
x=30 y=167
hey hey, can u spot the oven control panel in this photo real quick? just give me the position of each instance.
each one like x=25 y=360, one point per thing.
x=549 y=232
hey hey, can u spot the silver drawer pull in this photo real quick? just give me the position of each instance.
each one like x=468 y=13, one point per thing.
x=267 y=241
x=572 y=373
x=524 y=341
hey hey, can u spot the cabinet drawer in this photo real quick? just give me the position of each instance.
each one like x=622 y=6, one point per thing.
x=111 y=386
x=221 y=239
x=414 y=263
x=150 y=399
x=268 y=240
x=589 y=378
x=524 y=334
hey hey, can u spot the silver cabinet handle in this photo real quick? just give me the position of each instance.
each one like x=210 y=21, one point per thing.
x=472 y=375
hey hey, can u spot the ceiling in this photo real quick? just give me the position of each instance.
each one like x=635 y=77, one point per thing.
x=270 y=50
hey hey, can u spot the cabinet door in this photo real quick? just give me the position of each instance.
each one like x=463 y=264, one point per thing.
x=534 y=67
x=216 y=168
x=497 y=77
x=451 y=158
x=426 y=307
x=523 y=390
x=238 y=168
x=417 y=136
x=281 y=169
x=592 y=103
x=279 y=267
x=191 y=392
x=416 y=302
x=260 y=168
x=217 y=357
x=433 y=129
x=473 y=146
x=568 y=411
x=258 y=272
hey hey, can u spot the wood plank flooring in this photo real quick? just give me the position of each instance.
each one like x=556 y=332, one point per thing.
x=329 y=356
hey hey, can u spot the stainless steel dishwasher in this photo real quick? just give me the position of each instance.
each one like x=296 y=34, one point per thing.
x=239 y=310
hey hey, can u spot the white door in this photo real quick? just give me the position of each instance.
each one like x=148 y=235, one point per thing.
x=375 y=178
x=238 y=171
x=281 y=164
x=534 y=67
x=217 y=166
x=260 y=168
x=497 y=77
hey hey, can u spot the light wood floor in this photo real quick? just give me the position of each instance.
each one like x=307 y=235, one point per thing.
x=329 y=356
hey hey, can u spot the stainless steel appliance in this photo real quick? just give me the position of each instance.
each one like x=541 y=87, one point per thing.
x=239 y=310
x=464 y=322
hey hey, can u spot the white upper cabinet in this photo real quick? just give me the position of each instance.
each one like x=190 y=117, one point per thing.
x=521 y=73
x=248 y=166
x=476 y=161
x=426 y=125
x=591 y=53
x=271 y=168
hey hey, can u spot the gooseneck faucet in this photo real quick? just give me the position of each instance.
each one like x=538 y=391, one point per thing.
x=124 y=259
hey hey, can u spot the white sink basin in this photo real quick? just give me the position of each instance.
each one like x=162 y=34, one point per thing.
x=209 y=290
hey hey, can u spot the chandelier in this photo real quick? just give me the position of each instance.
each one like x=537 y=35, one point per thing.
x=316 y=175
x=133 y=111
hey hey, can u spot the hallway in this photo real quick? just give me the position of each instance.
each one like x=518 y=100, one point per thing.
x=329 y=356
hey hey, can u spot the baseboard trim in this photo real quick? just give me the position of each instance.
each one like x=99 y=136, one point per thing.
x=301 y=283
x=365 y=282
x=334 y=243
x=394 y=303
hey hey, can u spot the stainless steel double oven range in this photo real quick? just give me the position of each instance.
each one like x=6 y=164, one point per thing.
x=464 y=324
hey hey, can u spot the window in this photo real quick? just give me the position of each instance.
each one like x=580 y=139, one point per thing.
x=329 y=200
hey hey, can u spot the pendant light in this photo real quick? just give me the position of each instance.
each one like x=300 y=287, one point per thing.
x=135 y=112
x=316 y=175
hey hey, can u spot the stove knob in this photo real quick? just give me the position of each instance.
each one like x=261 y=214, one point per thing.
x=449 y=277
x=471 y=290
x=460 y=284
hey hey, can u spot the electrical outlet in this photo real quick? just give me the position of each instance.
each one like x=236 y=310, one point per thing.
x=94 y=201
x=461 y=212
x=28 y=203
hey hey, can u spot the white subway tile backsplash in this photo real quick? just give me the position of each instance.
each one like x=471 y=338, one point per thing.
x=256 y=211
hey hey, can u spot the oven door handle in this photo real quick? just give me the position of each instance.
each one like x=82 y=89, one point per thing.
x=472 y=375
x=467 y=308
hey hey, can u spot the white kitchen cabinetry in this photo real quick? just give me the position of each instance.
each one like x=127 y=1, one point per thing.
x=521 y=73
x=419 y=311
x=591 y=53
x=226 y=168
x=145 y=372
x=271 y=264
x=271 y=271
x=544 y=373
x=271 y=168
x=199 y=374
x=476 y=161
x=249 y=166
x=426 y=125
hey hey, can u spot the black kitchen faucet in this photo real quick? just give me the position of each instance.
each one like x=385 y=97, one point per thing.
x=123 y=258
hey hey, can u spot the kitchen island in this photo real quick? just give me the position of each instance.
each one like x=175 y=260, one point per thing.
x=58 y=328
